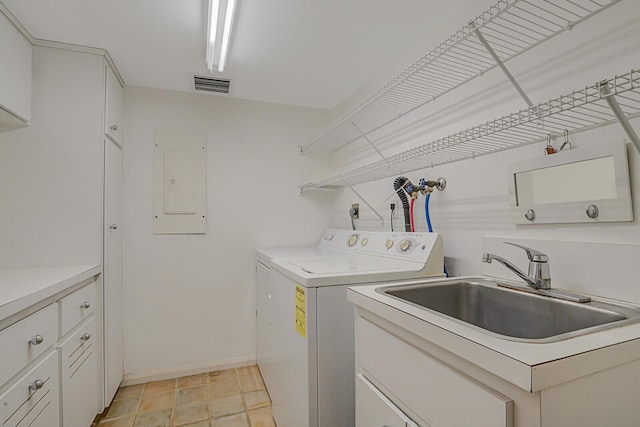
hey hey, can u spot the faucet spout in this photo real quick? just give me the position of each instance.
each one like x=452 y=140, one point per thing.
x=539 y=276
x=490 y=257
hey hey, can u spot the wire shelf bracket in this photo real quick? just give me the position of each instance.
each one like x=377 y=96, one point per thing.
x=367 y=203
x=366 y=138
x=503 y=67
x=620 y=116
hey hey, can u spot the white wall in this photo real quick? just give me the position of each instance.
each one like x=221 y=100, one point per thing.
x=475 y=202
x=51 y=185
x=189 y=299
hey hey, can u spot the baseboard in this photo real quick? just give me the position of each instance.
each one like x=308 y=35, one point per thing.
x=185 y=370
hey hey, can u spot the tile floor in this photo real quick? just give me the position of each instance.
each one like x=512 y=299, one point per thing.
x=228 y=398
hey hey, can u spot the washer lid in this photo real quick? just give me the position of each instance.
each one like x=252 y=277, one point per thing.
x=329 y=264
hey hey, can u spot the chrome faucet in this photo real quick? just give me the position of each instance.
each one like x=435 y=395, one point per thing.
x=539 y=276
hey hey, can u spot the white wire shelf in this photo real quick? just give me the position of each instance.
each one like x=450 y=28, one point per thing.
x=511 y=27
x=579 y=110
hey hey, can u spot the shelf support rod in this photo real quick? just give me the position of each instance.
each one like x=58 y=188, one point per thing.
x=367 y=203
x=503 y=67
x=605 y=91
x=366 y=138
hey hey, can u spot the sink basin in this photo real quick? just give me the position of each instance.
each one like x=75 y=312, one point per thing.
x=511 y=314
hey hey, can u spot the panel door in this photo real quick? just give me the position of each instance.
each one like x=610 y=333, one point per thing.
x=15 y=69
x=434 y=392
x=33 y=400
x=112 y=279
x=79 y=379
x=374 y=409
x=114 y=100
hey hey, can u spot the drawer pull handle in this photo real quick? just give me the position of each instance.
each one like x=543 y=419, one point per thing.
x=85 y=337
x=86 y=304
x=36 y=385
x=38 y=339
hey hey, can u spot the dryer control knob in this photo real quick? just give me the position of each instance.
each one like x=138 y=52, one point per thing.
x=364 y=241
x=388 y=244
x=353 y=239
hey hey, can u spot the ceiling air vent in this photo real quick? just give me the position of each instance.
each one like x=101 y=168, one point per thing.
x=210 y=84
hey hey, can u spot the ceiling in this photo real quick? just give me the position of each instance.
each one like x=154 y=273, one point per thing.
x=300 y=52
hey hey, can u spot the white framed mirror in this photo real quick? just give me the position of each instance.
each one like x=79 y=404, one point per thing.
x=587 y=184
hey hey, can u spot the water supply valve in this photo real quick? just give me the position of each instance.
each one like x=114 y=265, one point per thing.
x=427 y=186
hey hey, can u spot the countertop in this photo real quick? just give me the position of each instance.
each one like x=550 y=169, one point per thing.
x=530 y=366
x=24 y=287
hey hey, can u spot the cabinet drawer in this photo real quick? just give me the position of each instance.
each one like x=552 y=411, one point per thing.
x=33 y=401
x=26 y=340
x=78 y=306
x=79 y=376
x=374 y=409
x=437 y=394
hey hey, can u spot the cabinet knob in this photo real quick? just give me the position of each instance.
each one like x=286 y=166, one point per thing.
x=36 y=385
x=85 y=337
x=114 y=128
x=38 y=339
x=86 y=304
x=113 y=226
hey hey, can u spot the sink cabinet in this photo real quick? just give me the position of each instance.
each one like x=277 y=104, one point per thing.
x=402 y=372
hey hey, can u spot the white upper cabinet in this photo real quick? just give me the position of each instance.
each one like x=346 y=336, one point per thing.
x=15 y=77
x=113 y=109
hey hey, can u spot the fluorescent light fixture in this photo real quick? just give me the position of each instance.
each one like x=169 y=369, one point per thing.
x=221 y=14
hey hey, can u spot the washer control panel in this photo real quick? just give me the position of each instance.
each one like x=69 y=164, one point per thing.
x=398 y=245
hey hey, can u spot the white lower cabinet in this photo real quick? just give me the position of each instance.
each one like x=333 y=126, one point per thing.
x=374 y=409
x=79 y=386
x=49 y=374
x=401 y=375
x=33 y=400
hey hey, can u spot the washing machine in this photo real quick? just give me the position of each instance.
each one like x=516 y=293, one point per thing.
x=305 y=325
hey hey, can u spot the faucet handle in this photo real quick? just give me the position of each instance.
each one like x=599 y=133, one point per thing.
x=532 y=254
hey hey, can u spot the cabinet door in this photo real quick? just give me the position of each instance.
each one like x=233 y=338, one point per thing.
x=33 y=400
x=374 y=409
x=112 y=276
x=79 y=376
x=15 y=84
x=432 y=390
x=114 y=98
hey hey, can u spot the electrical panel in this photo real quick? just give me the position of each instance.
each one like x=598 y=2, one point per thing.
x=179 y=172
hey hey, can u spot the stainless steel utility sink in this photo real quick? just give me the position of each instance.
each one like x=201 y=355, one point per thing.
x=510 y=314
